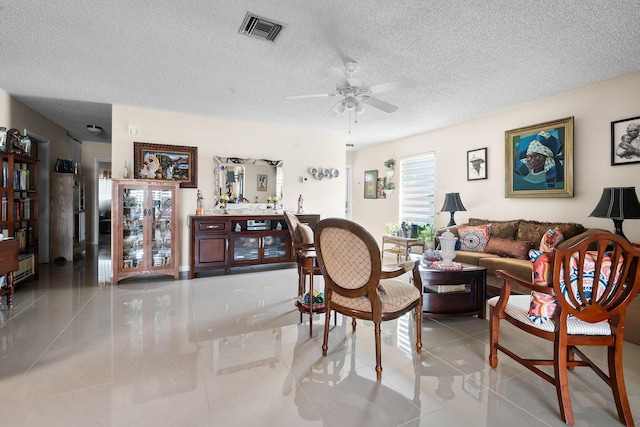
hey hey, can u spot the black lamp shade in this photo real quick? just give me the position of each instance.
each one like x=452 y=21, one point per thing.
x=453 y=204
x=618 y=203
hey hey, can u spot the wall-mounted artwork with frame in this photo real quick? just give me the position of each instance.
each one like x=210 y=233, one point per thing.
x=262 y=182
x=371 y=184
x=166 y=162
x=539 y=160
x=625 y=141
x=477 y=164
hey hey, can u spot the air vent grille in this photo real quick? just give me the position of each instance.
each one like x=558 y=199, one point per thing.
x=256 y=26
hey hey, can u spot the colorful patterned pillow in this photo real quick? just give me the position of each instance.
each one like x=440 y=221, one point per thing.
x=542 y=305
x=550 y=239
x=473 y=239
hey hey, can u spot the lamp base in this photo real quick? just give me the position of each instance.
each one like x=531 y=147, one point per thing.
x=617 y=225
x=451 y=221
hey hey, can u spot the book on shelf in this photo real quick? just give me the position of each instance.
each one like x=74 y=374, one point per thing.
x=445 y=289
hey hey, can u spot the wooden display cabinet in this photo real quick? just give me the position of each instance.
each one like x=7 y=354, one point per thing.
x=145 y=228
x=223 y=241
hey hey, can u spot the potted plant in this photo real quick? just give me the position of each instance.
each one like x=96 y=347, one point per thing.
x=390 y=165
x=388 y=188
x=428 y=235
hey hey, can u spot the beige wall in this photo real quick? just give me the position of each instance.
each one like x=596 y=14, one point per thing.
x=299 y=150
x=594 y=108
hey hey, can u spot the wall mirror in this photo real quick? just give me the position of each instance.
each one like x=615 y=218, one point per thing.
x=247 y=180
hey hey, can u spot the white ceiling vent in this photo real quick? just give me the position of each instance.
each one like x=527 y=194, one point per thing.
x=259 y=27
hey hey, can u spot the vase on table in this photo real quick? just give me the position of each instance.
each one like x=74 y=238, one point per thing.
x=447 y=247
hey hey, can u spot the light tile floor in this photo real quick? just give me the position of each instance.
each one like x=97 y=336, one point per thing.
x=228 y=350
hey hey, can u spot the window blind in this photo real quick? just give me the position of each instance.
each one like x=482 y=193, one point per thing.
x=417 y=189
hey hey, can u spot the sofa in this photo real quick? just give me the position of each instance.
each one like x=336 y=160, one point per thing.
x=505 y=245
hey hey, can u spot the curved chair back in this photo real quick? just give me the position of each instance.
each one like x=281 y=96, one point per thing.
x=602 y=272
x=349 y=257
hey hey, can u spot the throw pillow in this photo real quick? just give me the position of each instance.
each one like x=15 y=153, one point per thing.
x=473 y=239
x=508 y=248
x=550 y=239
x=543 y=306
x=502 y=229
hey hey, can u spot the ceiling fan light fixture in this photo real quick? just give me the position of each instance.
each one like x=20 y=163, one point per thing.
x=359 y=108
x=339 y=108
x=94 y=129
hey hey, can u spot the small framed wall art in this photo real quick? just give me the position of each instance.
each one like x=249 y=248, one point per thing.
x=625 y=141
x=477 y=164
x=371 y=184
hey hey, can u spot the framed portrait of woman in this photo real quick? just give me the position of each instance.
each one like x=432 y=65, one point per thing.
x=539 y=160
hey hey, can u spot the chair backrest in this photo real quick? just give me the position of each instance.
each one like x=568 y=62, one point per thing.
x=596 y=278
x=349 y=257
x=292 y=224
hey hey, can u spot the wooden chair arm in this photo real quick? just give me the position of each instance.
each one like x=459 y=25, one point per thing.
x=505 y=291
x=398 y=270
x=299 y=246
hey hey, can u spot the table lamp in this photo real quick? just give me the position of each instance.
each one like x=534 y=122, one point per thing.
x=618 y=203
x=453 y=204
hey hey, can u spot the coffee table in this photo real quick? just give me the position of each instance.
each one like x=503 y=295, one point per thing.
x=453 y=293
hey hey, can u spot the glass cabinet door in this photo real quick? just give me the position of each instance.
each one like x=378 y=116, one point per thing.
x=161 y=227
x=246 y=248
x=275 y=246
x=133 y=216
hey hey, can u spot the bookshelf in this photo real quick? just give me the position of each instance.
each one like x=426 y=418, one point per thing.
x=19 y=210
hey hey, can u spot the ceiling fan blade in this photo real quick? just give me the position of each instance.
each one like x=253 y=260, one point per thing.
x=381 y=105
x=393 y=85
x=338 y=77
x=314 y=95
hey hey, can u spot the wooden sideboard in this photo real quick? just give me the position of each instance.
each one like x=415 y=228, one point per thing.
x=224 y=241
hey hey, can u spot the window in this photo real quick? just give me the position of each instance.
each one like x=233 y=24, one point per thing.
x=417 y=189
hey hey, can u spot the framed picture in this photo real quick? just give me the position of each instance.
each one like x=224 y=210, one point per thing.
x=262 y=182
x=477 y=164
x=625 y=141
x=539 y=160
x=166 y=162
x=371 y=184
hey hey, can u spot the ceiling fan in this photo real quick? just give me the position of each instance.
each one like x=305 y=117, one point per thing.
x=354 y=93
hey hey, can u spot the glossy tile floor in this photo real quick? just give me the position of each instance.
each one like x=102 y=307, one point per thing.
x=227 y=350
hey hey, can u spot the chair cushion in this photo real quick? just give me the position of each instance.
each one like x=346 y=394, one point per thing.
x=399 y=294
x=473 y=238
x=305 y=233
x=518 y=308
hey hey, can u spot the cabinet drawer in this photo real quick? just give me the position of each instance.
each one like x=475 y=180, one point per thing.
x=212 y=226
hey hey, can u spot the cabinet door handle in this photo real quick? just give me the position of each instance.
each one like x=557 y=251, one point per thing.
x=226 y=244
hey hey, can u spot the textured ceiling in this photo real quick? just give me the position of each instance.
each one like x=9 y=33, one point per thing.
x=71 y=60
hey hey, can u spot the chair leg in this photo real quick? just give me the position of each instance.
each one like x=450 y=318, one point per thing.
x=378 y=351
x=327 y=320
x=560 y=352
x=494 y=332
x=311 y=304
x=419 y=329
x=618 y=387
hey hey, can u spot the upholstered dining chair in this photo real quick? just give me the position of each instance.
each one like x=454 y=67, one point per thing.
x=355 y=284
x=305 y=255
x=580 y=294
